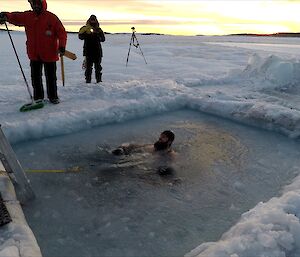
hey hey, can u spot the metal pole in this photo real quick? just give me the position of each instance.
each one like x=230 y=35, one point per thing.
x=62 y=70
x=13 y=45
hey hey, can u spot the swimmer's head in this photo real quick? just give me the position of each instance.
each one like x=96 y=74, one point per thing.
x=165 y=140
x=169 y=134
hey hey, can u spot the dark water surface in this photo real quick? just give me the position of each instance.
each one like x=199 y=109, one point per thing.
x=90 y=203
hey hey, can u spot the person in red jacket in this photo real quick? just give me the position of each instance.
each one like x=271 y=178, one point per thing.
x=46 y=38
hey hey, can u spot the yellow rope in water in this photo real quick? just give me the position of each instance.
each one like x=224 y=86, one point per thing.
x=46 y=171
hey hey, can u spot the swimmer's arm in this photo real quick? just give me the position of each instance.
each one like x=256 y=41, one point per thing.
x=128 y=148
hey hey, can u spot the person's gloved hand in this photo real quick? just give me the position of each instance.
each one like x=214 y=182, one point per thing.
x=165 y=170
x=118 y=151
x=89 y=30
x=3 y=17
x=61 y=51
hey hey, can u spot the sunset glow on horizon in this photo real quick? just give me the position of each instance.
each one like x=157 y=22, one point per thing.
x=176 y=17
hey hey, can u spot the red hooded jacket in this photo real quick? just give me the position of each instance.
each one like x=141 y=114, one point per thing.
x=45 y=33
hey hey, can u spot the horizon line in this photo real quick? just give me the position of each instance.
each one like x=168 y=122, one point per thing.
x=278 y=34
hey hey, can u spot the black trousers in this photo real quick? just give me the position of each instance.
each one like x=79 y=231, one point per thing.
x=89 y=68
x=37 y=82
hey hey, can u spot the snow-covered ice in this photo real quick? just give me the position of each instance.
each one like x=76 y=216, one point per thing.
x=254 y=81
x=251 y=86
x=269 y=229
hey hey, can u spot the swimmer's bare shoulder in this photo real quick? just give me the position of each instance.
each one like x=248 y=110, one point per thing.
x=172 y=153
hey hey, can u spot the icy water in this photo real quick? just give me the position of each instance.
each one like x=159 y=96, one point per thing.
x=90 y=203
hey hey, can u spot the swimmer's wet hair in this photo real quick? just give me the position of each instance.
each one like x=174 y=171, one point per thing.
x=170 y=135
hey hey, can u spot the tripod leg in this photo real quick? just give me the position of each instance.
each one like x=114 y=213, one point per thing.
x=129 y=49
x=143 y=54
x=138 y=44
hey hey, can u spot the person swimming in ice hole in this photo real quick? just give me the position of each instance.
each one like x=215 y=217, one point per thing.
x=161 y=146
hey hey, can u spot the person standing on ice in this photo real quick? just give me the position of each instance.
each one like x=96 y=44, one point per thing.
x=46 y=38
x=92 y=35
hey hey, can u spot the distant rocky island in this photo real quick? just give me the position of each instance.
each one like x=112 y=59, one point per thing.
x=279 y=34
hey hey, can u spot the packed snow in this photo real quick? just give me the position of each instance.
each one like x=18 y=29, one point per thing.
x=269 y=229
x=254 y=81
x=16 y=238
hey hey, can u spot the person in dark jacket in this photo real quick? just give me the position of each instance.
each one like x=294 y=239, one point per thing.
x=46 y=38
x=92 y=35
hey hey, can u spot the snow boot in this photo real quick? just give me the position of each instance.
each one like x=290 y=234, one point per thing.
x=54 y=101
x=99 y=77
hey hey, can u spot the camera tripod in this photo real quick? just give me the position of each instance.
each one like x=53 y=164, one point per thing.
x=135 y=43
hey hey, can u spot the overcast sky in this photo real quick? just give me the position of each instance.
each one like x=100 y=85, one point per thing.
x=190 y=17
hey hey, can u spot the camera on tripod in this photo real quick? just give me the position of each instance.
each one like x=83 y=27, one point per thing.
x=134 y=41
